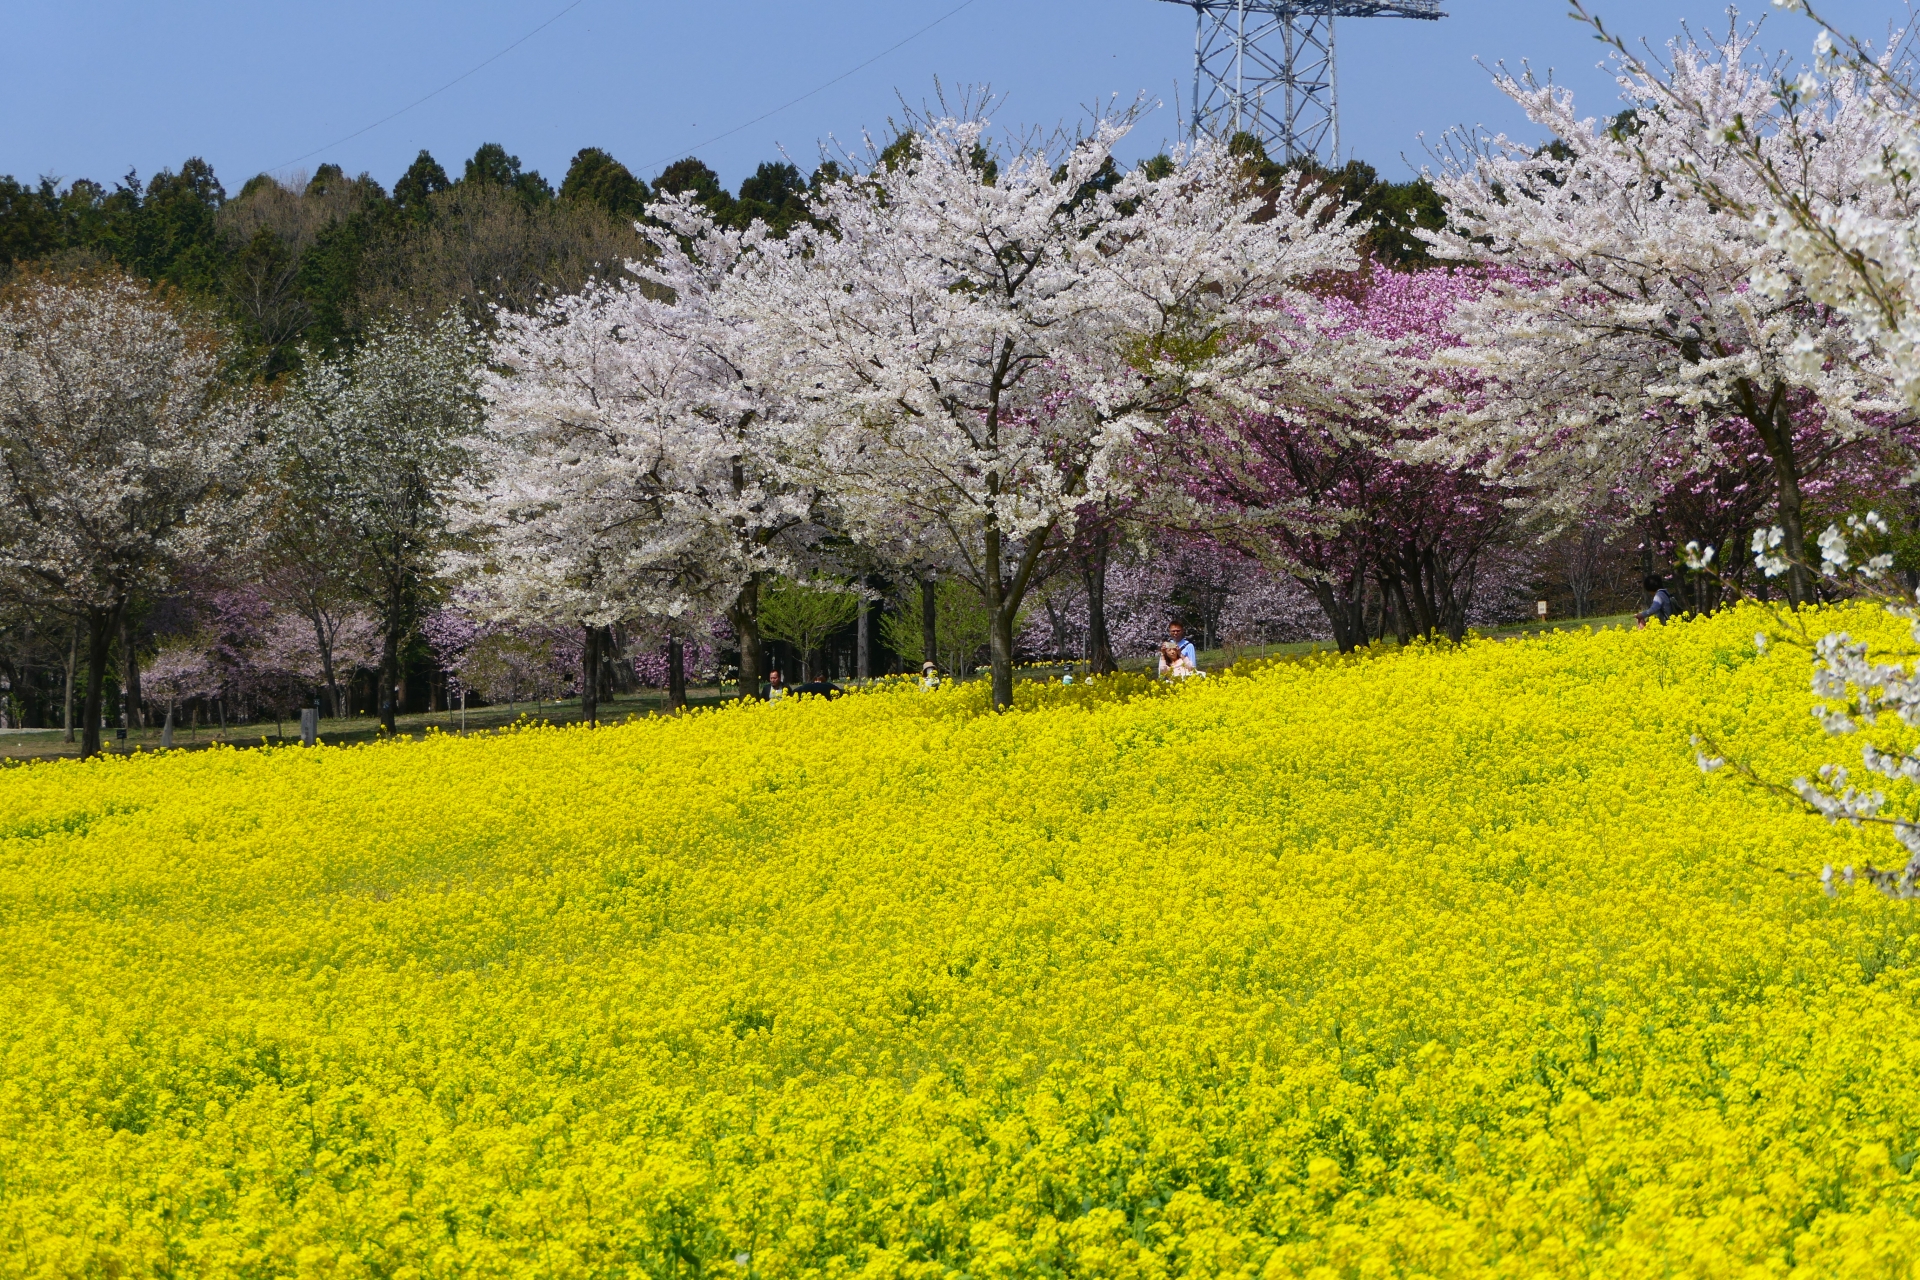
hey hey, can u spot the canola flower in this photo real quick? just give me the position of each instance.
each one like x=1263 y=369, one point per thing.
x=1441 y=963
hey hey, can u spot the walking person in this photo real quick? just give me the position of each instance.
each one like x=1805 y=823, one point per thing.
x=1661 y=607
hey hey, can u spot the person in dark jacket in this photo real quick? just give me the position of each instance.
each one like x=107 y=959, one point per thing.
x=1661 y=607
x=824 y=688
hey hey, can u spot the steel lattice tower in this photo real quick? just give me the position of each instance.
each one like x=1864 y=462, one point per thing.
x=1266 y=67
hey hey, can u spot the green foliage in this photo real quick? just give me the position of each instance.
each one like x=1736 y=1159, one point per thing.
x=168 y=234
x=1157 y=167
x=899 y=151
x=829 y=171
x=596 y=178
x=492 y=166
x=308 y=267
x=329 y=279
x=423 y=178
x=30 y=222
x=775 y=194
x=962 y=627
x=693 y=176
x=806 y=613
x=1393 y=210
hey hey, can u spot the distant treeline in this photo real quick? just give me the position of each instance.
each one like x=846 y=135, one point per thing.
x=309 y=264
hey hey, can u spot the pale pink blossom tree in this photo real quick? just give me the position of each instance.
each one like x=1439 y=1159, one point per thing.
x=974 y=333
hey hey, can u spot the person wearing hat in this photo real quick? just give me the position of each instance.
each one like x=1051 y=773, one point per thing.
x=929 y=676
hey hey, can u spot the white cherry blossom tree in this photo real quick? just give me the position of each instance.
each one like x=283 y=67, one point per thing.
x=122 y=452
x=1635 y=302
x=374 y=444
x=628 y=467
x=1851 y=229
x=972 y=334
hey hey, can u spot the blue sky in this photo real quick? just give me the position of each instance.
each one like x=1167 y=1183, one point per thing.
x=92 y=89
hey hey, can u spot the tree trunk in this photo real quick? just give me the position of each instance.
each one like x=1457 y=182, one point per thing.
x=1773 y=423
x=130 y=673
x=73 y=660
x=1344 y=607
x=389 y=680
x=1799 y=576
x=1093 y=572
x=1402 y=613
x=324 y=643
x=861 y=663
x=744 y=614
x=166 y=730
x=929 y=623
x=1003 y=599
x=676 y=673
x=1002 y=649
x=101 y=626
x=590 y=676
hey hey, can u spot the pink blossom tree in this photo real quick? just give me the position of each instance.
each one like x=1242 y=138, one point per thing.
x=1330 y=488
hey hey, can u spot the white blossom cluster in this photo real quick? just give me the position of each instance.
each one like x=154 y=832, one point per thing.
x=1854 y=243
x=1857 y=690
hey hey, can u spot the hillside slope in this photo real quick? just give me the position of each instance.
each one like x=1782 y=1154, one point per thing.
x=1446 y=963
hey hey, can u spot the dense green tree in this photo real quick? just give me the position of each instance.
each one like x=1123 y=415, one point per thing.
x=596 y=178
x=328 y=178
x=897 y=152
x=295 y=261
x=1395 y=210
x=423 y=178
x=30 y=223
x=492 y=166
x=330 y=276
x=1157 y=166
x=829 y=171
x=165 y=230
x=775 y=194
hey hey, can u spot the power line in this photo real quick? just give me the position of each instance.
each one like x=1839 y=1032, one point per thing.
x=818 y=88
x=448 y=85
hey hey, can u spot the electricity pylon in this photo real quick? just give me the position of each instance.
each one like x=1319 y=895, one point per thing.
x=1266 y=67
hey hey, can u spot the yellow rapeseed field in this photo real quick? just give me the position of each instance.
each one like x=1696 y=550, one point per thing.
x=1443 y=963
